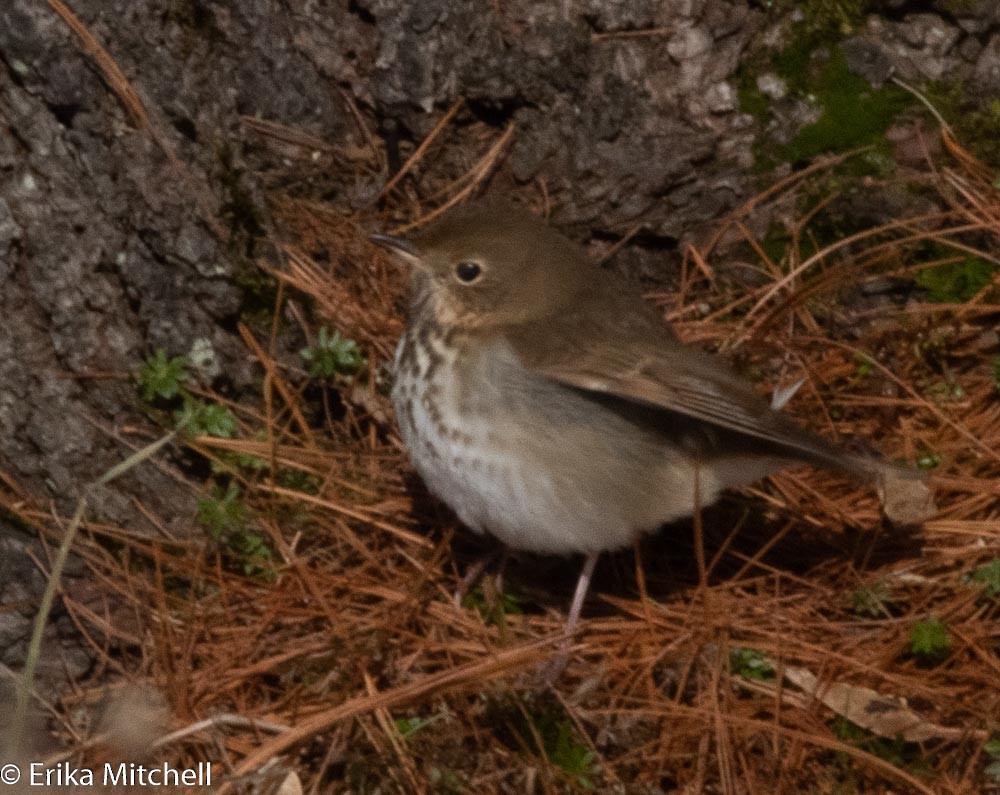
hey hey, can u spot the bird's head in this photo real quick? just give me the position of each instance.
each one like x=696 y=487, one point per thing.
x=489 y=264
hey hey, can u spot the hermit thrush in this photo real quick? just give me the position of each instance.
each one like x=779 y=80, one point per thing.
x=547 y=404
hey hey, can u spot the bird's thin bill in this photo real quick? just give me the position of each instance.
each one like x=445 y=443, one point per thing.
x=397 y=244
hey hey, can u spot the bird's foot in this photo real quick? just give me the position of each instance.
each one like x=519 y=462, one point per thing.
x=553 y=669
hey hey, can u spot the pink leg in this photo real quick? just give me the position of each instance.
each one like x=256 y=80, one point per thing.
x=558 y=665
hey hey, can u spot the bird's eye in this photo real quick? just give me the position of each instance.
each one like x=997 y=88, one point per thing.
x=468 y=272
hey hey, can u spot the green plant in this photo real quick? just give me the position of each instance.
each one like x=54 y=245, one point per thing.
x=750 y=664
x=973 y=118
x=929 y=641
x=250 y=549
x=297 y=480
x=162 y=377
x=332 y=355
x=207 y=419
x=897 y=752
x=928 y=459
x=574 y=758
x=224 y=515
x=872 y=600
x=992 y=749
x=539 y=724
x=408 y=726
x=494 y=611
x=941 y=391
x=864 y=364
x=989 y=576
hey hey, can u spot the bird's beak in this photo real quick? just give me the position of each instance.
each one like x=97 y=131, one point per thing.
x=399 y=246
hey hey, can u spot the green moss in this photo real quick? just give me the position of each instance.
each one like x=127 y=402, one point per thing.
x=259 y=290
x=974 y=123
x=245 y=222
x=751 y=99
x=956 y=282
x=827 y=16
x=853 y=114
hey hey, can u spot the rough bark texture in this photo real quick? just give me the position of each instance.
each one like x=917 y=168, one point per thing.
x=119 y=238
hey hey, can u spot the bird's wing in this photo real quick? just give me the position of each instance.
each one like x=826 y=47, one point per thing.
x=645 y=364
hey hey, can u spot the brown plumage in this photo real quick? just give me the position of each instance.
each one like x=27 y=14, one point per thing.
x=547 y=404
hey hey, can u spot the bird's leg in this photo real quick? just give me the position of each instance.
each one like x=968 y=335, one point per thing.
x=582 y=586
x=474 y=573
x=558 y=664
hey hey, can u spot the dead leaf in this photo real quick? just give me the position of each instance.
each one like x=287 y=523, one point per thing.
x=886 y=716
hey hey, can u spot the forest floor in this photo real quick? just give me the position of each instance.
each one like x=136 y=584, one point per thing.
x=788 y=639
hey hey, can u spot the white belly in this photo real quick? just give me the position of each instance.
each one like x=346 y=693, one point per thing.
x=460 y=460
x=503 y=471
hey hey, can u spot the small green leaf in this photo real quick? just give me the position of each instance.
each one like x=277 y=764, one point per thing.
x=989 y=576
x=494 y=611
x=750 y=664
x=929 y=640
x=864 y=364
x=992 y=746
x=410 y=726
x=928 y=460
x=573 y=757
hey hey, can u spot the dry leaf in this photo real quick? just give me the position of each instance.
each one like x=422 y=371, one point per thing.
x=886 y=716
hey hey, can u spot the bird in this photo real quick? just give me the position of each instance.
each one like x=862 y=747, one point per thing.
x=547 y=404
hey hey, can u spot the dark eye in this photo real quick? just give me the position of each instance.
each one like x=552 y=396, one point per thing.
x=468 y=272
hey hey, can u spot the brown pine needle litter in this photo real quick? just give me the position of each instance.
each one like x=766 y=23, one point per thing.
x=825 y=651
